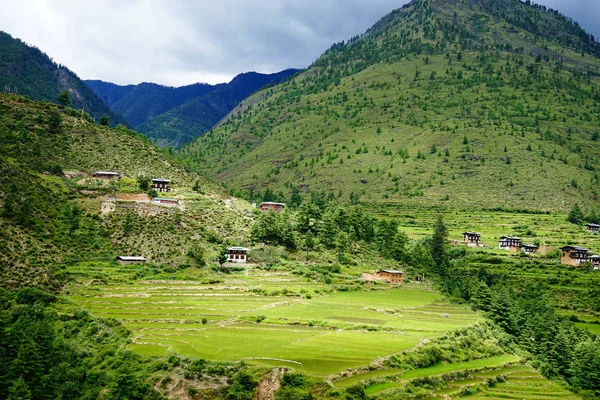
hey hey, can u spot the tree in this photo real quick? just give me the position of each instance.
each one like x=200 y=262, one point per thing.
x=196 y=252
x=19 y=390
x=54 y=122
x=64 y=99
x=586 y=365
x=438 y=243
x=104 y=120
x=222 y=257
x=576 y=215
x=341 y=243
x=143 y=182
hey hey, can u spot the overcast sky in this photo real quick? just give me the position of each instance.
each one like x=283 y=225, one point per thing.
x=178 y=42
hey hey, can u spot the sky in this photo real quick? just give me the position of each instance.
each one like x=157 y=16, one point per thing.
x=179 y=42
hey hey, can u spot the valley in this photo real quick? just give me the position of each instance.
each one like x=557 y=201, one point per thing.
x=413 y=216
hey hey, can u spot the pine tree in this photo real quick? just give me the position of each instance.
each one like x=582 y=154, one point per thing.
x=19 y=390
x=438 y=243
x=64 y=99
x=576 y=215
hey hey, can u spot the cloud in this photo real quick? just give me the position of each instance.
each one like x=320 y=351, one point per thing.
x=185 y=41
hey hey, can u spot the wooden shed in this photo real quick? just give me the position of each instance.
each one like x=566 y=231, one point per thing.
x=269 y=205
x=130 y=260
x=165 y=202
x=390 y=275
x=107 y=175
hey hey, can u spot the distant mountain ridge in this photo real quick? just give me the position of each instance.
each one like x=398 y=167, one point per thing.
x=139 y=103
x=172 y=116
x=28 y=71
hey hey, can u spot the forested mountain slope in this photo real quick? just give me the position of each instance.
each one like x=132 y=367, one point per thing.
x=470 y=103
x=139 y=103
x=176 y=116
x=27 y=71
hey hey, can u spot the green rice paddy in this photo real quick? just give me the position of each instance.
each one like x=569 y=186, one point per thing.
x=311 y=328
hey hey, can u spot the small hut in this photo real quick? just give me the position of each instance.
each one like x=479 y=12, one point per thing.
x=130 y=260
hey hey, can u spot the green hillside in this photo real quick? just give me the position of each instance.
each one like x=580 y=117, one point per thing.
x=54 y=213
x=28 y=71
x=469 y=103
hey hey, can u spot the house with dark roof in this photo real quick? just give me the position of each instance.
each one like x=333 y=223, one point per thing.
x=575 y=255
x=472 y=239
x=509 y=243
x=592 y=228
x=596 y=261
x=161 y=185
x=529 y=248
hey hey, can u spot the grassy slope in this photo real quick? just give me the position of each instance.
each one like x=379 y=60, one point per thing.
x=48 y=220
x=364 y=118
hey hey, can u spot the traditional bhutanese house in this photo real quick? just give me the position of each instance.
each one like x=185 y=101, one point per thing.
x=107 y=175
x=592 y=228
x=161 y=185
x=165 y=202
x=574 y=255
x=130 y=260
x=596 y=261
x=390 y=275
x=237 y=254
x=529 y=248
x=269 y=205
x=510 y=243
x=472 y=239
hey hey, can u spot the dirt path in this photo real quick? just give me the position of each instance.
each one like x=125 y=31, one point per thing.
x=267 y=387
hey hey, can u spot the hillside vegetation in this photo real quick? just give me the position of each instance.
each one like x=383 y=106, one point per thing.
x=54 y=212
x=469 y=103
x=28 y=71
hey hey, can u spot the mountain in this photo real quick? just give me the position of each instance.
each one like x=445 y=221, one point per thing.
x=441 y=102
x=27 y=71
x=197 y=116
x=175 y=116
x=139 y=103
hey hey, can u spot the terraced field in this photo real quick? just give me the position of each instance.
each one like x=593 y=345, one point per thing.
x=492 y=378
x=273 y=319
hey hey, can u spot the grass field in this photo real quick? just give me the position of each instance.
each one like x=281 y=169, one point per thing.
x=273 y=318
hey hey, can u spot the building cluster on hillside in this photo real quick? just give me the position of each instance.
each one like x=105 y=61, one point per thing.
x=513 y=244
x=158 y=184
x=570 y=255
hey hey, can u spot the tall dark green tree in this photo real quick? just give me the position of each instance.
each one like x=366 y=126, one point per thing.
x=64 y=99
x=576 y=215
x=438 y=246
